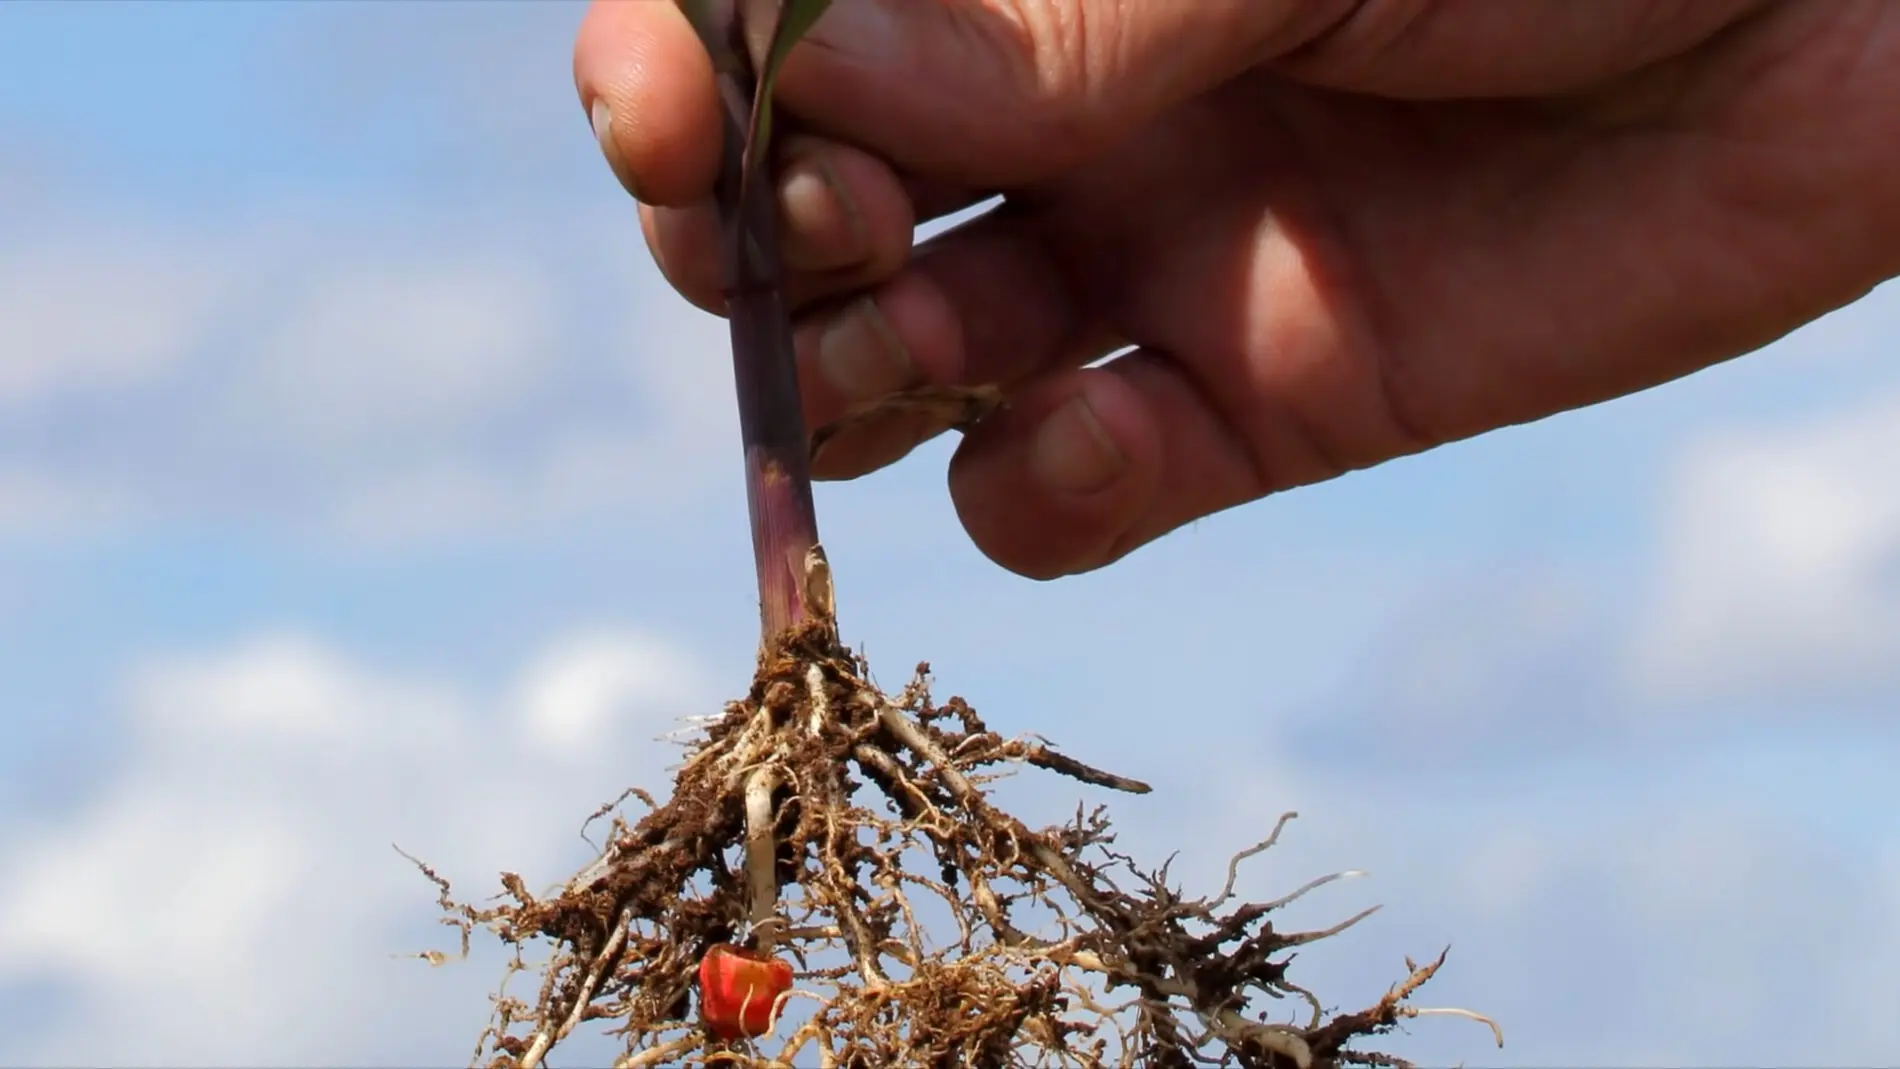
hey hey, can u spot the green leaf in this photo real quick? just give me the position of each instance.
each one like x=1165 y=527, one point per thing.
x=795 y=18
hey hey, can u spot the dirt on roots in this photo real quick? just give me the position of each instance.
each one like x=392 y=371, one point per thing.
x=849 y=830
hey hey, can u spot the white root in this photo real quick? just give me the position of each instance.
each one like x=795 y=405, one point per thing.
x=1277 y=1038
x=1497 y=1033
x=1319 y=1012
x=546 y=1037
x=659 y=1055
x=765 y=754
x=1312 y=885
x=1233 y=863
x=820 y=704
x=778 y=1005
x=1325 y=933
x=761 y=852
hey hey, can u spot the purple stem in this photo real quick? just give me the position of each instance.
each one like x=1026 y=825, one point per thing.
x=771 y=418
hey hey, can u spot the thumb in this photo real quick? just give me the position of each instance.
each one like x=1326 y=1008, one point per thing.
x=997 y=93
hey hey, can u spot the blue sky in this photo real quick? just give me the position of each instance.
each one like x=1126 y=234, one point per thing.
x=360 y=481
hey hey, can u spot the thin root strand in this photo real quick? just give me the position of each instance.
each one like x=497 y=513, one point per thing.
x=846 y=829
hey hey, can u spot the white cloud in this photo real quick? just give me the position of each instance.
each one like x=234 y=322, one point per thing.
x=278 y=689
x=33 y=499
x=1488 y=652
x=570 y=696
x=398 y=353
x=90 y=311
x=232 y=896
x=1648 y=914
x=378 y=382
x=477 y=91
x=468 y=342
x=1780 y=569
x=1712 y=933
x=239 y=861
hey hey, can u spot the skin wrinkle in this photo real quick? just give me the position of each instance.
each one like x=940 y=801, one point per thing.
x=1772 y=179
x=1143 y=529
x=1060 y=65
x=1525 y=193
x=1053 y=56
x=1536 y=353
x=1063 y=45
x=1785 y=183
x=1108 y=279
x=1413 y=434
x=1037 y=30
x=1334 y=261
x=1329 y=276
x=1255 y=43
x=1519 y=202
x=1367 y=54
x=1327 y=25
x=1302 y=220
x=968 y=34
x=1398 y=383
x=1347 y=277
x=1087 y=335
x=1081 y=337
x=1345 y=34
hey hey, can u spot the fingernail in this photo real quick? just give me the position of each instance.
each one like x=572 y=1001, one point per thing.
x=603 y=119
x=825 y=228
x=1073 y=453
x=860 y=355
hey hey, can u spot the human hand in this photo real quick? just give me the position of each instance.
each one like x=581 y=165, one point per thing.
x=1335 y=233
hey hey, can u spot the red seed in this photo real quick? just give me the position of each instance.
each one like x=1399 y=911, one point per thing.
x=737 y=989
